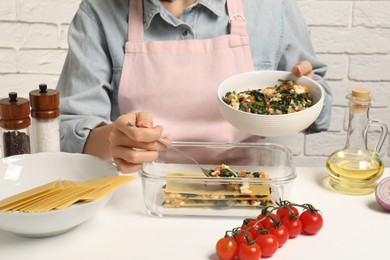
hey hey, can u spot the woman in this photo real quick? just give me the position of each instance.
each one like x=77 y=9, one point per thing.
x=141 y=61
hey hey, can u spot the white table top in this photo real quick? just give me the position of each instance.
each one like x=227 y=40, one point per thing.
x=355 y=227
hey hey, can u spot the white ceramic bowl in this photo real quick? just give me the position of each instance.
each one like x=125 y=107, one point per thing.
x=22 y=172
x=269 y=125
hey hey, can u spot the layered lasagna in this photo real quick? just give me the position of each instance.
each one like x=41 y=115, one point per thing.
x=232 y=189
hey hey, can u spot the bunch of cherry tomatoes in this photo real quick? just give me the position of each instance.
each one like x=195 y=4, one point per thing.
x=261 y=237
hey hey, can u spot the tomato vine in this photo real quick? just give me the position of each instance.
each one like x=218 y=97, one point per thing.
x=262 y=235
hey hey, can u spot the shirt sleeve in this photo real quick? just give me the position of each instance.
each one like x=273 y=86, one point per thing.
x=299 y=47
x=84 y=84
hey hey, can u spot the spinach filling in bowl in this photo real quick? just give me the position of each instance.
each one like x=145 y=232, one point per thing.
x=284 y=98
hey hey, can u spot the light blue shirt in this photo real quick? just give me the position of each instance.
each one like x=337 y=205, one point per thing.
x=90 y=78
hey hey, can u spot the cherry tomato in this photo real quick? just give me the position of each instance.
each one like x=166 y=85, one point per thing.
x=293 y=224
x=240 y=237
x=286 y=211
x=311 y=221
x=226 y=248
x=252 y=226
x=280 y=232
x=249 y=251
x=268 y=243
x=267 y=218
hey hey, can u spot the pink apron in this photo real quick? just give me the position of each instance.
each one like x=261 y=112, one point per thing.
x=177 y=81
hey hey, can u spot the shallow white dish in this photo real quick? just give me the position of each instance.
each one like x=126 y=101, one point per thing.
x=22 y=172
x=269 y=125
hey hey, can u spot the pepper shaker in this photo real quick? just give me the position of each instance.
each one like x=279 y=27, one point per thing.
x=45 y=126
x=15 y=125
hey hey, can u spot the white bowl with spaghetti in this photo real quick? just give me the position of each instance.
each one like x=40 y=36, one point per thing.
x=269 y=124
x=20 y=173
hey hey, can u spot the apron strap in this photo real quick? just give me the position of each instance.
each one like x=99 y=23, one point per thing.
x=136 y=25
x=236 y=17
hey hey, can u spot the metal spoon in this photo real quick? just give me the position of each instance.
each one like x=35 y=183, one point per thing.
x=205 y=171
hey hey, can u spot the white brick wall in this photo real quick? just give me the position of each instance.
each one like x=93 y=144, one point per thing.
x=352 y=36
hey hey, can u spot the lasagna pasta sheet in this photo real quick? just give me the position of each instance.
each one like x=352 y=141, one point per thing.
x=61 y=194
x=214 y=194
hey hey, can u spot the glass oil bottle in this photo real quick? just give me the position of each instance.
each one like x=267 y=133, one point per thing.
x=355 y=169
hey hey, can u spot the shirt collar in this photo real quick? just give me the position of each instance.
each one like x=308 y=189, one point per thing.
x=218 y=7
x=153 y=7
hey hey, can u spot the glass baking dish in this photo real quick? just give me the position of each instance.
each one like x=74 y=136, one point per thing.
x=174 y=186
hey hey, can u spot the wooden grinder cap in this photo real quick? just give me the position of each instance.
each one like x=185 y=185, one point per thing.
x=14 y=112
x=44 y=103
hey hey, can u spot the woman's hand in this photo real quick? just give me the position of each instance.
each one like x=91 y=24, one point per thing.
x=130 y=146
x=303 y=68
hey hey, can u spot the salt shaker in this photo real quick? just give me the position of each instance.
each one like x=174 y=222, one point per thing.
x=45 y=126
x=15 y=125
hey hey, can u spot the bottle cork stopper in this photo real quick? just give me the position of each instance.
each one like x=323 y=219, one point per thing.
x=44 y=102
x=360 y=100
x=363 y=93
x=14 y=112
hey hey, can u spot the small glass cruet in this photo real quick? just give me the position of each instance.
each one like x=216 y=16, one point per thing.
x=355 y=169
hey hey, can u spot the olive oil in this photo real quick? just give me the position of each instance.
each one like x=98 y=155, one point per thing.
x=355 y=169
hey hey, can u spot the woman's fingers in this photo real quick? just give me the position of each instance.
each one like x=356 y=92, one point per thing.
x=143 y=119
x=303 y=68
x=144 y=132
x=131 y=146
x=130 y=159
